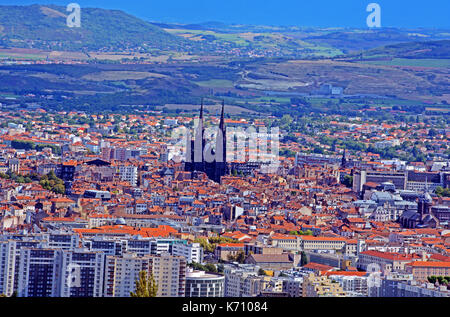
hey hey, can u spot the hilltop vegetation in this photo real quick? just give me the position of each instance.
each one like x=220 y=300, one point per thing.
x=418 y=50
x=265 y=86
x=44 y=27
x=299 y=41
x=257 y=69
x=356 y=40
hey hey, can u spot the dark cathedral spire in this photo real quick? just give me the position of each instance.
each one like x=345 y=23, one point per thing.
x=214 y=166
x=222 y=119
x=344 y=159
x=201 y=111
x=199 y=143
x=221 y=138
x=220 y=168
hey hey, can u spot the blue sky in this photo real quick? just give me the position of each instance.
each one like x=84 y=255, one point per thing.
x=322 y=13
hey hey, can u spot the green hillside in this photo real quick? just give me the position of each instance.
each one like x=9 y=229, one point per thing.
x=353 y=40
x=44 y=27
x=419 y=50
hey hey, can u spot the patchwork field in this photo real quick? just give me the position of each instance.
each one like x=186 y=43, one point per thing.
x=405 y=82
x=426 y=62
x=121 y=75
x=212 y=109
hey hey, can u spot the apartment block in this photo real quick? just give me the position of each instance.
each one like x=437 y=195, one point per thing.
x=122 y=272
x=170 y=274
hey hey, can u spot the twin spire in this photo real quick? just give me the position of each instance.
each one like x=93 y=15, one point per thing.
x=205 y=157
x=201 y=110
x=222 y=115
x=222 y=118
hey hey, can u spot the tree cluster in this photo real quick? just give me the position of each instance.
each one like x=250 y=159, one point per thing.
x=53 y=183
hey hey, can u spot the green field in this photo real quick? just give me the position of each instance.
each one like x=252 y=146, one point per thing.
x=275 y=99
x=234 y=38
x=437 y=63
x=222 y=83
x=260 y=40
x=21 y=56
x=9 y=96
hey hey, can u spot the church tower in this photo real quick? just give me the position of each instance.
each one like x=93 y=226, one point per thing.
x=214 y=166
x=425 y=203
x=221 y=148
x=199 y=143
x=194 y=147
x=344 y=159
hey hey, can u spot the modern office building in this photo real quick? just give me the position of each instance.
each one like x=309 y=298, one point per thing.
x=404 y=285
x=7 y=267
x=39 y=272
x=201 y=284
x=242 y=280
x=82 y=273
x=192 y=252
x=66 y=241
x=398 y=178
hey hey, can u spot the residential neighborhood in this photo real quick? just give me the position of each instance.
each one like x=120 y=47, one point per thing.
x=105 y=196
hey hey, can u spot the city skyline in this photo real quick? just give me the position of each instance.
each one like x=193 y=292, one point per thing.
x=235 y=164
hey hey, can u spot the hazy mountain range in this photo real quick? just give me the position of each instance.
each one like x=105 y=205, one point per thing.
x=44 y=27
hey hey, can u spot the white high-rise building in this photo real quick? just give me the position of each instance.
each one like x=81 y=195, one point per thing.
x=39 y=272
x=352 y=284
x=192 y=252
x=128 y=173
x=121 y=273
x=242 y=281
x=170 y=274
x=7 y=267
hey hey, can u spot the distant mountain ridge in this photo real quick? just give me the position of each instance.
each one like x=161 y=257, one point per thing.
x=368 y=39
x=427 y=49
x=348 y=40
x=44 y=27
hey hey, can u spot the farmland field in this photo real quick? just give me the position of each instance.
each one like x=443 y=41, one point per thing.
x=215 y=83
x=412 y=62
x=213 y=109
x=120 y=75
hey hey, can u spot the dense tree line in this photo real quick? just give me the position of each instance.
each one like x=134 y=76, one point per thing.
x=29 y=145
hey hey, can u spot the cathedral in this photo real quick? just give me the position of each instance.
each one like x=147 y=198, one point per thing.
x=423 y=217
x=201 y=156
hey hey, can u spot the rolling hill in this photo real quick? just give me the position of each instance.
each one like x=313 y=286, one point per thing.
x=427 y=49
x=44 y=27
